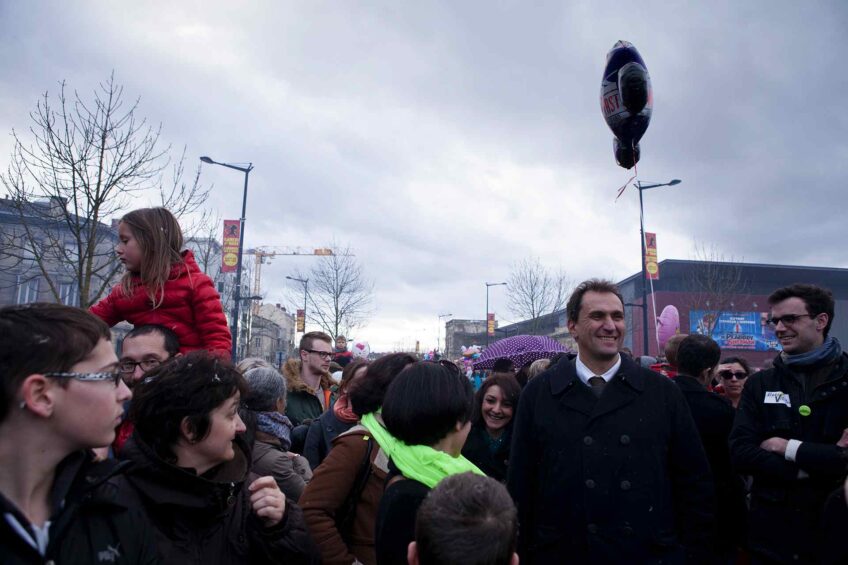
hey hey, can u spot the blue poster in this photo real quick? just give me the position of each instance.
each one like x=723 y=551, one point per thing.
x=735 y=330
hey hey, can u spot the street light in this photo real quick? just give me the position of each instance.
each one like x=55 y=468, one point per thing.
x=439 y=331
x=305 y=283
x=237 y=307
x=487 y=307
x=641 y=187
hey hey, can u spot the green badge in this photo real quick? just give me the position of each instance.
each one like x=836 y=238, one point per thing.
x=804 y=410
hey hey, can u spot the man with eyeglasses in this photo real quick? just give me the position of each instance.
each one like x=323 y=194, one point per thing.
x=308 y=381
x=144 y=348
x=789 y=432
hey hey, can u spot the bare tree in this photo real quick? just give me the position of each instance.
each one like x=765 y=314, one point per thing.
x=716 y=282
x=83 y=163
x=534 y=290
x=339 y=296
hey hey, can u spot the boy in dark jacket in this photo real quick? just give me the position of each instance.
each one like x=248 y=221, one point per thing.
x=61 y=395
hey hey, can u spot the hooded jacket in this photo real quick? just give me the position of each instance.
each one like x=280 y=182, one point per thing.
x=88 y=522
x=301 y=402
x=191 y=308
x=208 y=519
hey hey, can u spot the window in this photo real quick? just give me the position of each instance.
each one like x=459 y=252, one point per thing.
x=258 y=342
x=27 y=290
x=68 y=294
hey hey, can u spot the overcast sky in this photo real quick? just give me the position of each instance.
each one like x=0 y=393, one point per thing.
x=445 y=141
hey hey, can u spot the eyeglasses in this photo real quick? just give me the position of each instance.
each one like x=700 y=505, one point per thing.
x=787 y=320
x=321 y=354
x=128 y=367
x=730 y=374
x=114 y=376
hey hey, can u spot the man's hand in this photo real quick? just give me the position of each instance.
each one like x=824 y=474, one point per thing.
x=843 y=441
x=267 y=500
x=776 y=445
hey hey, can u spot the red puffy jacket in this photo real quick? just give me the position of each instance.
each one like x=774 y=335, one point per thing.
x=191 y=308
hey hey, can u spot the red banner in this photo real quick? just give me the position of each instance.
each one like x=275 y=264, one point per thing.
x=652 y=267
x=301 y=321
x=490 y=324
x=229 y=260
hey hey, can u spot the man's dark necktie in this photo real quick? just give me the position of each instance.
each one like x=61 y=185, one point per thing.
x=597 y=384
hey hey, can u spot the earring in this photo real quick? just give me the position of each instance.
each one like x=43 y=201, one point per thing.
x=23 y=404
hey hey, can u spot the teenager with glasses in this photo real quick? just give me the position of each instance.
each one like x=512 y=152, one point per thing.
x=310 y=387
x=732 y=373
x=61 y=395
x=789 y=428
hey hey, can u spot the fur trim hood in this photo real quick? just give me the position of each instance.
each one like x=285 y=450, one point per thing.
x=294 y=383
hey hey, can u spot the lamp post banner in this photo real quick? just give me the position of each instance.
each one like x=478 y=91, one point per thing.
x=490 y=324
x=301 y=320
x=229 y=259
x=652 y=268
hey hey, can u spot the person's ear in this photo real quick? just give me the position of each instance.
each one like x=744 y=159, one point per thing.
x=187 y=432
x=412 y=553
x=177 y=354
x=821 y=321
x=38 y=395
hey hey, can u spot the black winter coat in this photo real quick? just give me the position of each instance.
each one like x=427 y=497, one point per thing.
x=713 y=417
x=208 y=519
x=618 y=479
x=476 y=450
x=319 y=438
x=89 y=524
x=786 y=505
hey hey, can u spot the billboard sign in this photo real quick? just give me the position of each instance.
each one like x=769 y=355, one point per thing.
x=735 y=330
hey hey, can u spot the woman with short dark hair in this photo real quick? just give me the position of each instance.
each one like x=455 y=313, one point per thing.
x=340 y=503
x=426 y=419
x=733 y=373
x=191 y=471
x=489 y=441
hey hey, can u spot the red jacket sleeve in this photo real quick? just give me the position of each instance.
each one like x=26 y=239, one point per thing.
x=209 y=317
x=105 y=308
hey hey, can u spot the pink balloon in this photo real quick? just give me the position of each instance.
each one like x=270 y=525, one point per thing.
x=668 y=324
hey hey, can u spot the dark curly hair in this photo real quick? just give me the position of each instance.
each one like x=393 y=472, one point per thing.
x=189 y=387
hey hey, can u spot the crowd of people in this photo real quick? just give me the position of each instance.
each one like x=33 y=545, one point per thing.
x=168 y=453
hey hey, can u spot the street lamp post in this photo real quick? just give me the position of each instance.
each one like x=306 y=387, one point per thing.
x=487 y=307
x=439 y=331
x=234 y=330
x=305 y=283
x=641 y=187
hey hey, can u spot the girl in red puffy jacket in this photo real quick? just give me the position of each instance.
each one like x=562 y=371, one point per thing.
x=163 y=284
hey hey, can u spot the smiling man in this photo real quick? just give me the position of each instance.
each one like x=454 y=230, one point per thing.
x=789 y=428
x=606 y=464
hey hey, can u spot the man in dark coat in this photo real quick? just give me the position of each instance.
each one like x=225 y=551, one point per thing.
x=697 y=358
x=606 y=464
x=789 y=429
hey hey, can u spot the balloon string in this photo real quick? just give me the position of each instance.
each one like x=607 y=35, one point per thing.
x=635 y=174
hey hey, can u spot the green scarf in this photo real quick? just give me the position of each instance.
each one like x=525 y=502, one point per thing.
x=419 y=462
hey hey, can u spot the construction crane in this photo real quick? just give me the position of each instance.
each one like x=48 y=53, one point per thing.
x=265 y=253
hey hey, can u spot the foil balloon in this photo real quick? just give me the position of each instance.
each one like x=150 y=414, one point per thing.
x=668 y=324
x=626 y=101
x=360 y=349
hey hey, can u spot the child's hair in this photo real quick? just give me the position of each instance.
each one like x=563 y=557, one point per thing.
x=160 y=240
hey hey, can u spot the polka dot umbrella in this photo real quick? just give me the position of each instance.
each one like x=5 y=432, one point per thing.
x=520 y=349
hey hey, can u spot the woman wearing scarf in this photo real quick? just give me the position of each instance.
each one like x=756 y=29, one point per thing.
x=427 y=417
x=340 y=503
x=339 y=419
x=269 y=431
